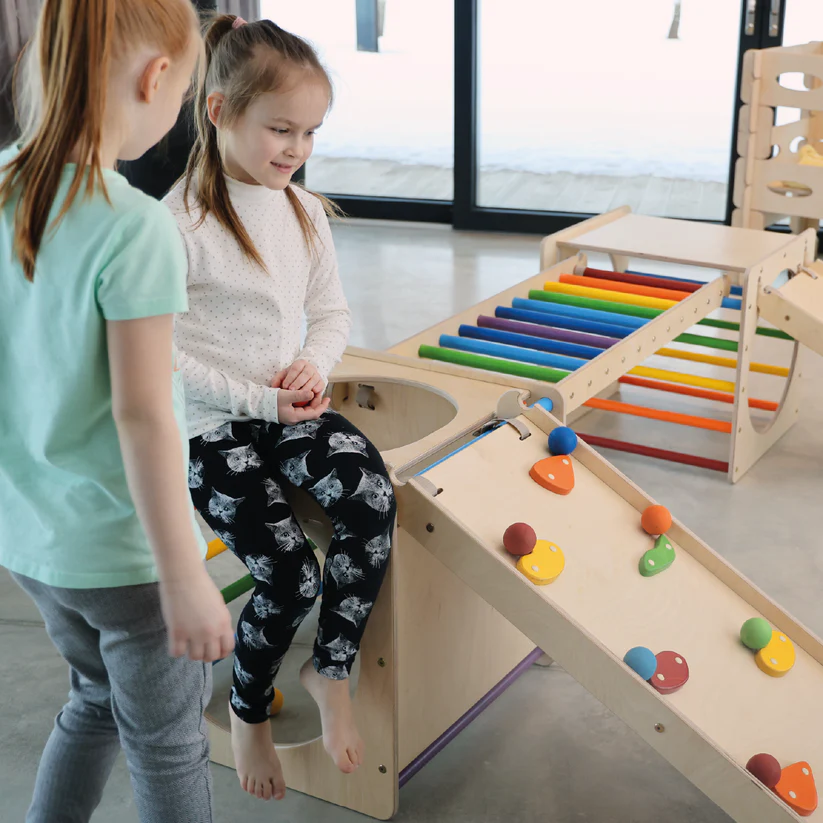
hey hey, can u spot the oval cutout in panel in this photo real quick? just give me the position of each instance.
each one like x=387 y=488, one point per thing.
x=794 y=80
x=391 y=412
x=789 y=188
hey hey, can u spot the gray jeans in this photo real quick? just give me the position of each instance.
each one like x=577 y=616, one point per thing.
x=125 y=690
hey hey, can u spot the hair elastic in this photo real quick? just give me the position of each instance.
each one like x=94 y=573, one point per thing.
x=238 y=21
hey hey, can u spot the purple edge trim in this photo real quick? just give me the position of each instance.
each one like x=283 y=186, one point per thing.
x=472 y=714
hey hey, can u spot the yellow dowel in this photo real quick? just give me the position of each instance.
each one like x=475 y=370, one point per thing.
x=685 y=379
x=215 y=547
x=611 y=296
x=725 y=362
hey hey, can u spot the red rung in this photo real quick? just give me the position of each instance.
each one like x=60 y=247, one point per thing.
x=642 y=280
x=649 y=451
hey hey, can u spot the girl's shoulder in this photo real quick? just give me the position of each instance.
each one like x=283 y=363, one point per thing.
x=186 y=211
x=310 y=202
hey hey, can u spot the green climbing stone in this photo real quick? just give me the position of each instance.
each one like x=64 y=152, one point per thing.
x=659 y=558
x=756 y=633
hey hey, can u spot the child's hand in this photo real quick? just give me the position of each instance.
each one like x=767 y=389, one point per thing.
x=300 y=375
x=199 y=624
x=296 y=406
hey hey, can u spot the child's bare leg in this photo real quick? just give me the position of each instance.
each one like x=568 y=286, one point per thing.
x=340 y=736
x=258 y=766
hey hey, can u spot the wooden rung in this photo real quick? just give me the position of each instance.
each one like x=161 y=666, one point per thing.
x=215 y=547
x=724 y=362
x=623 y=287
x=659 y=414
x=691 y=391
x=608 y=295
x=649 y=451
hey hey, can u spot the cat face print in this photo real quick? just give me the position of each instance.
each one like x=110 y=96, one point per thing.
x=346 y=443
x=302 y=615
x=238 y=702
x=242 y=676
x=377 y=549
x=375 y=491
x=273 y=492
x=342 y=531
x=306 y=428
x=196 y=471
x=309 y=583
x=253 y=637
x=328 y=490
x=227 y=537
x=222 y=507
x=295 y=469
x=288 y=535
x=265 y=607
x=242 y=459
x=260 y=567
x=344 y=571
x=340 y=650
x=216 y=435
x=334 y=672
x=354 y=609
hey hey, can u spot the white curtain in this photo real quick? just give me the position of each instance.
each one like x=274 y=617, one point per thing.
x=17 y=21
x=247 y=9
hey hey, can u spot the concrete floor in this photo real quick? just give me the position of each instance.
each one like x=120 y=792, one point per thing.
x=572 y=760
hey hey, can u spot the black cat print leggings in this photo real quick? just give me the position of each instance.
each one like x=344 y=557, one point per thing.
x=236 y=475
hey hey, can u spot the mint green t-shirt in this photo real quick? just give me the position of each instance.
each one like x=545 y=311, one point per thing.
x=66 y=515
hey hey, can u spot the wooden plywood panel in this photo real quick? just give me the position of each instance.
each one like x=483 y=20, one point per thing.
x=680 y=241
x=601 y=606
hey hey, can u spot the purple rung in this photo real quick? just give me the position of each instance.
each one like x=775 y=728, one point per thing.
x=472 y=714
x=599 y=341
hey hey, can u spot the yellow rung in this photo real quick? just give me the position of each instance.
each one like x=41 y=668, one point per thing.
x=726 y=362
x=216 y=546
x=685 y=379
x=611 y=296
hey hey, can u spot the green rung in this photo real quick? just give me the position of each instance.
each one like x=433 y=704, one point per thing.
x=480 y=361
x=234 y=590
x=640 y=311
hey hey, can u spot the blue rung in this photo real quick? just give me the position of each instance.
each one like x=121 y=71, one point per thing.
x=527 y=341
x=538 y=358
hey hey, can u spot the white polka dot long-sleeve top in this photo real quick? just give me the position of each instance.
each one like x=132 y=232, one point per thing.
x=245 y=324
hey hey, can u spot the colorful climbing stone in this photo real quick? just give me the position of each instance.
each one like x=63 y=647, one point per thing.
x=659 y=558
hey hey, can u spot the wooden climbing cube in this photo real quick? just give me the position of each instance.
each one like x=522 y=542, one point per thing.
x=779 y=172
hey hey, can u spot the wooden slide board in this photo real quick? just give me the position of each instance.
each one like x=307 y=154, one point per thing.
x=601 y=606
x=797 y=306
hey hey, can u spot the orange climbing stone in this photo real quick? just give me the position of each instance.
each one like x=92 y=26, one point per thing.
x=554 y=473
x=796 y=788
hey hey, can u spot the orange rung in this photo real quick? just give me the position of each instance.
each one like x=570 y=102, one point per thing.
x=706 y=394
x=658 y=414
x=625 y=288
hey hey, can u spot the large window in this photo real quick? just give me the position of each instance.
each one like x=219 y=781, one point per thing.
x=529 y=115
x=390 y=131
x=598 y=104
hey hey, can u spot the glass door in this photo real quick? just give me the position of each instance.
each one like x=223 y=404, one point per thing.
x=389 y=133
x=597 y=104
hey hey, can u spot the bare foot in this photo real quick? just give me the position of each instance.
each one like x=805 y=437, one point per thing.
x=258 y=767
x=340 y=736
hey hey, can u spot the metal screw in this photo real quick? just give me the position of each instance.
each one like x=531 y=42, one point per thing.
x=381 y=662
x=382 y=769
x=659 y=727
x=429 y=528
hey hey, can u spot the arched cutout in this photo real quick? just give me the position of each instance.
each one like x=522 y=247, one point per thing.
x=794 y=80
x=789 y=188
